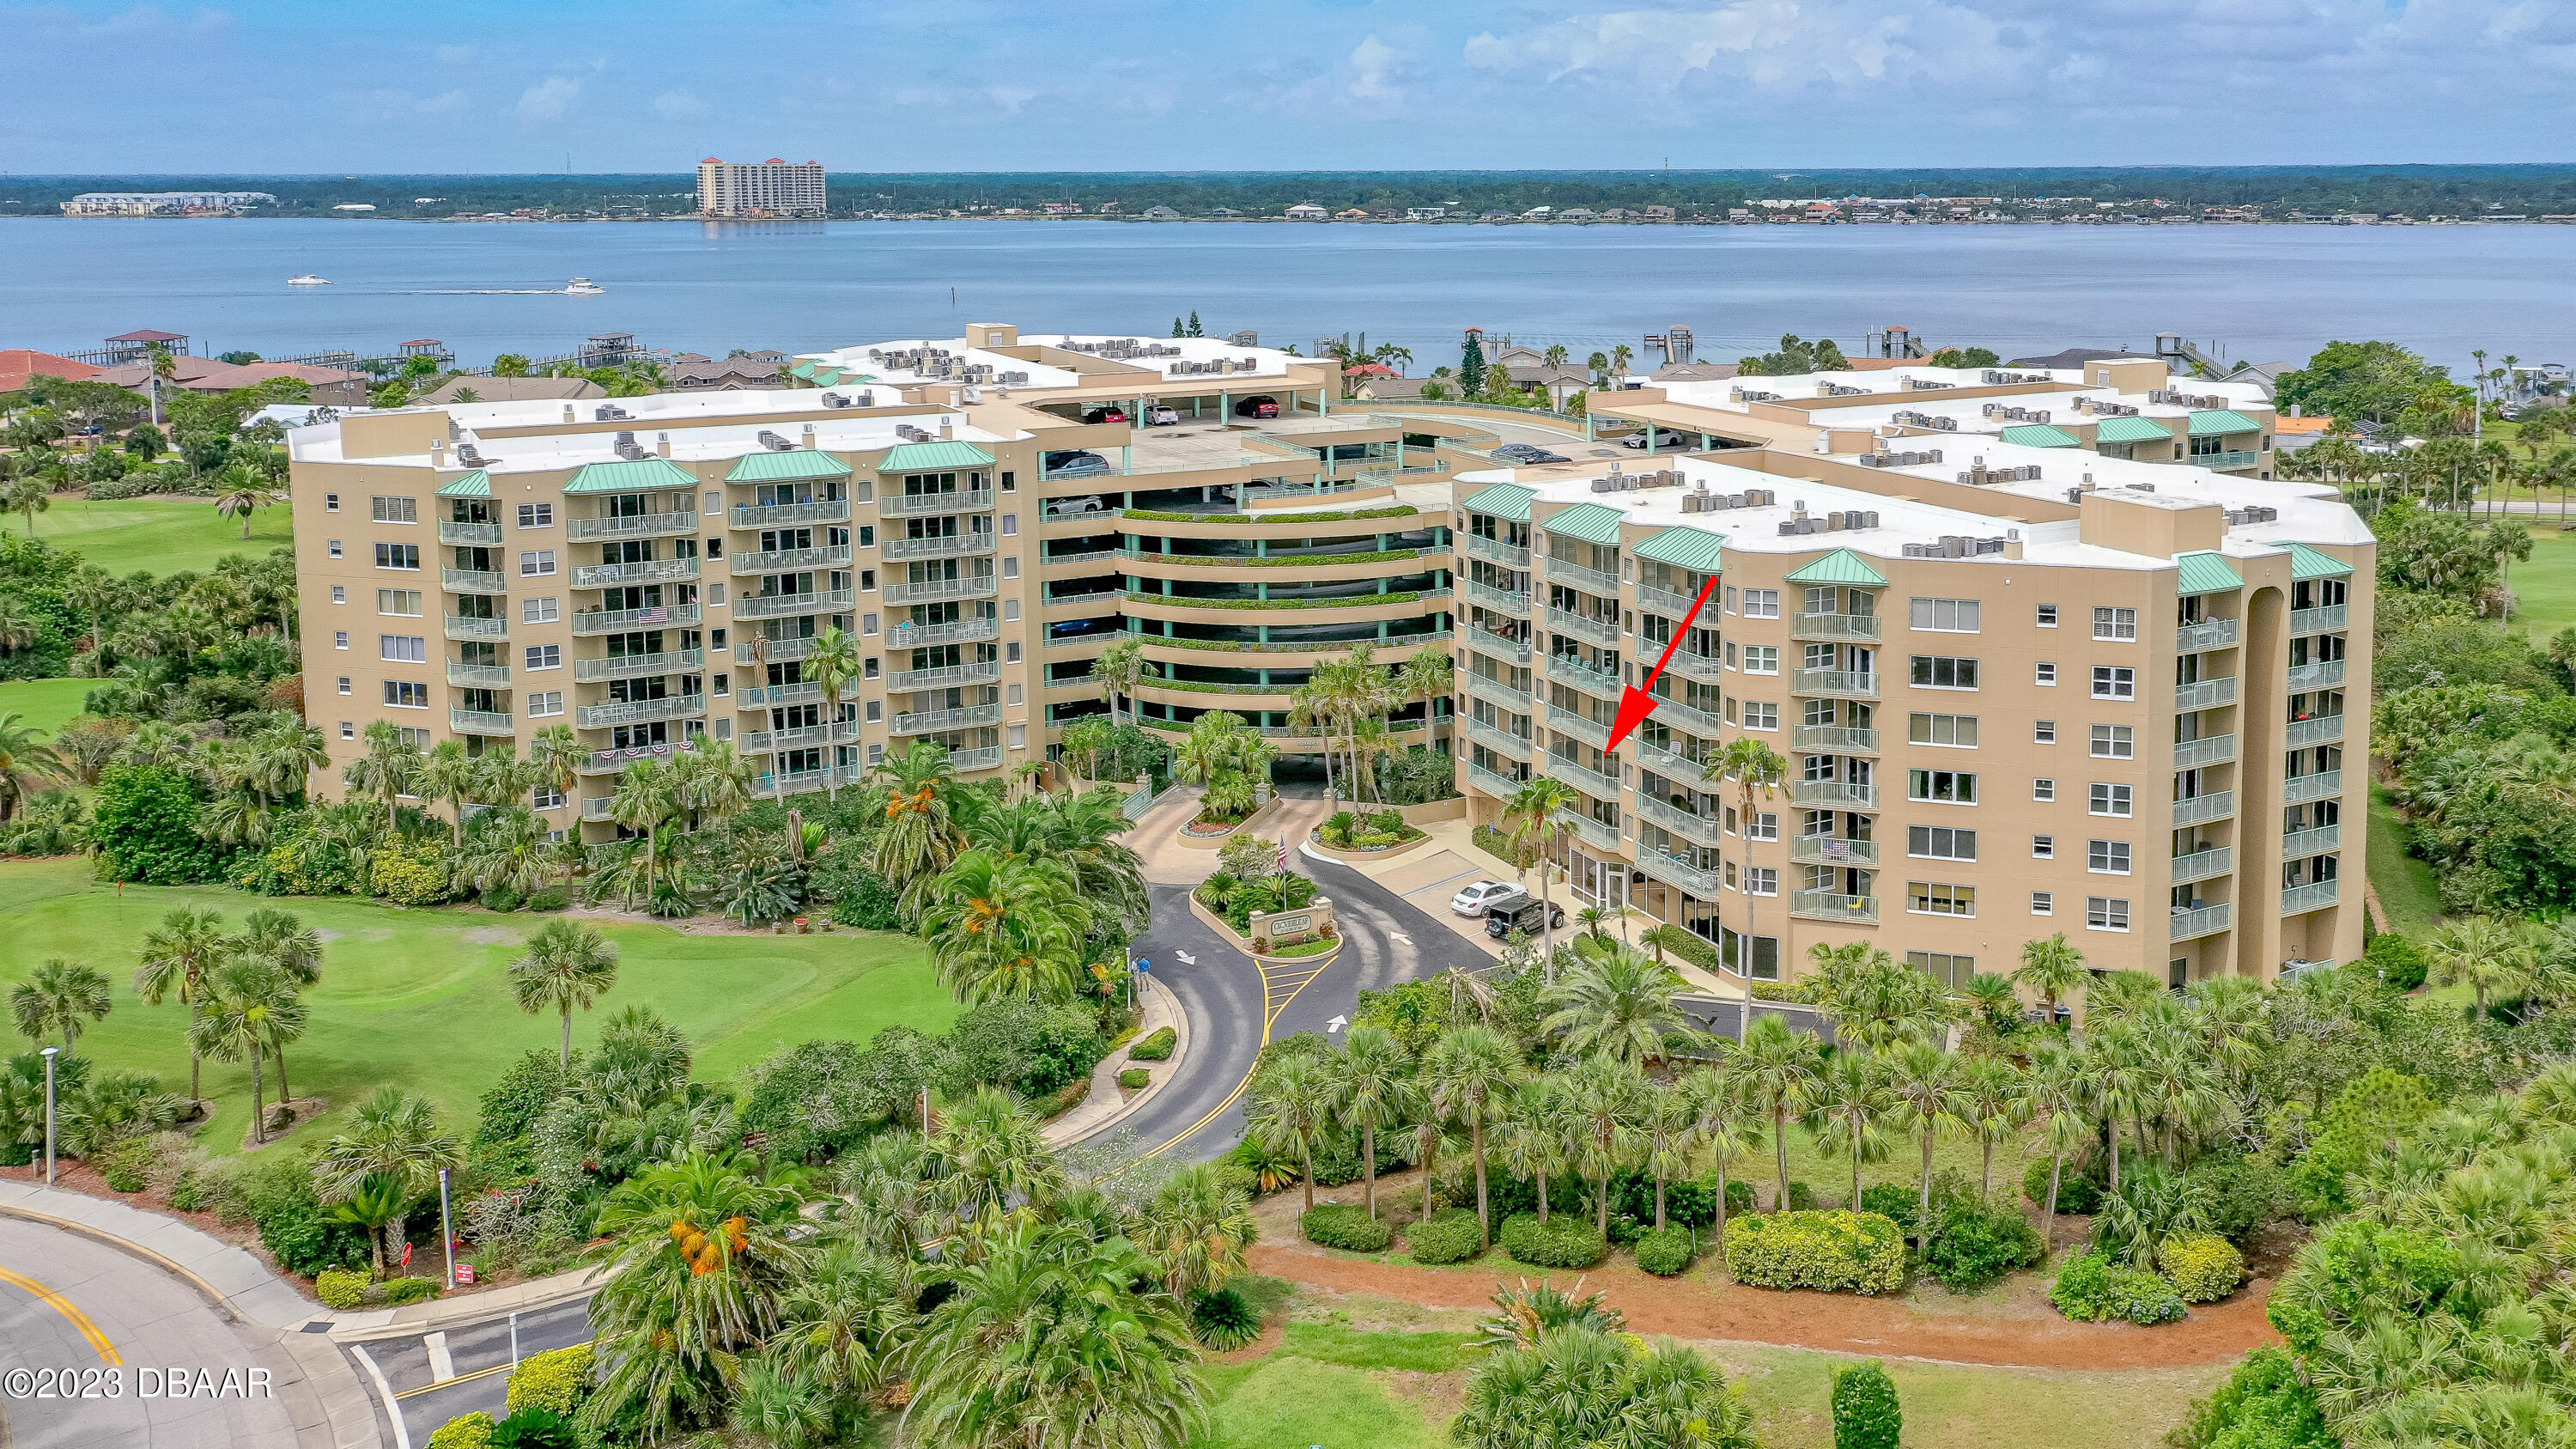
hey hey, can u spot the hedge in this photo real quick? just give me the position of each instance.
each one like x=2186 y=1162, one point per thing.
x=2091 y=1289
x=1565 y=1241
x=1453 y=1236
x=2076 y=1193
x=1866 y=1413
x=1668 y=1252
x=1351 y=601
x=1348 y=1228
x=466 y=1431
x=1156 y=1046
x=1275 y=561
x=553 y=1380
x=341 y=1287
x=2203 y=1267
x=1839 y=1252
x=1134 y=1079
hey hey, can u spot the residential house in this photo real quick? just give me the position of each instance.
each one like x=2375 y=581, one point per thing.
x=20 y=366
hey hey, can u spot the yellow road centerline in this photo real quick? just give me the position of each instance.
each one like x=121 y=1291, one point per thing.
x=69 y=1310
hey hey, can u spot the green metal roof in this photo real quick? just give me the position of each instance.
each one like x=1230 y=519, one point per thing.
x=1842 y=566
x=1589 y=522
x=2206 y=573
x=2222 y=420
x=802 y=369
x=932 y=457
x=477 y=484
x=2041 y=435
x=2132 y=430
x=787 y=467
x=2306 y=563
x=633 y=475
x=1687 y=548
x=1503 y=500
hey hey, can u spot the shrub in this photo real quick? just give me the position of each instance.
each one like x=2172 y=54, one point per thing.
x=2398 y=961
x=2091 y=1289
x=1348 y=1228
x=1839 y=1252
x=551 y=898
x=1224 y=1320
x=2261 y=1406
x=1447 y=1237
x=1031 y=1047
x=1801 y=1197
x=399 y=1291
x=341 y=1287
x=144 y=826
x=2203 y=1267
x=129 y=1165
x=1893 y=1201
x=1668 y=1252
x=1866 y=1413
x=1973 y=1241
x=2244 y=1193
x=466 y=1431
x=535 y=1429
x=502 y=898
x=1378 y=840
x=277 y=1196
x=1156 y=1046
x=1565 y=1241
x=409 y=875
x=554 y=1380
x=1134 y=1079
x=2077 y=1192
x=194 y=1194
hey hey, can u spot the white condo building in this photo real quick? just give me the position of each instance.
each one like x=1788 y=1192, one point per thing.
x=760 y=188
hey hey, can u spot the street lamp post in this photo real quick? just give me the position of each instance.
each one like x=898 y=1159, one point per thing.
x=50 y=1054
x=446 y=1229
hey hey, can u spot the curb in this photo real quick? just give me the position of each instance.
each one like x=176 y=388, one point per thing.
x=208 y=1291
x=473 y=1308
x=1165 y=1070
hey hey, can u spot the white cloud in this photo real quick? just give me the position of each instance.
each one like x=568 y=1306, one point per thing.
x=680 y=105
x=1371 y=59
x=549 y=99
x=453 y=54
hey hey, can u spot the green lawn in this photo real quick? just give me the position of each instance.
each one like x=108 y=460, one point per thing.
x=46 y=703
x=2545 y=589
x=2406 y=885
x=155 y=535
x=417 y=997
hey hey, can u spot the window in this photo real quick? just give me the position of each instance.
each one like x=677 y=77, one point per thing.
x=1762 y=880
x=1761 y=658
x=403 y=648
x=1762 y=603
x=870 y=667
x=1011 y=695
x=546 y=797
x=715 y=546
x=876 y=752
x=713 y=503
x=2043 y=903
x=1761 y=716
x=876 y=711
x=867 y=581
x=545 y=656
x=339 y=638
x=540 y=611
x=1951 y=971
x=868 y=626
x=415 y=737
x=1940 y=842
x=1940 y=671
x=1949 y=787
x=716 y=594
x=2114 y=682
x=1011 y=652
x=404 y=694
x=348 y=727
x=398 y=556
x=330 y=502
x=339 y=593
x=2043 y=790
x=2043 y=732
x=1010 y=525
x=1946 y=616
x=400 y=603
x=1730 y=599
x=2048 y=616
x=536 y=515
x=545 y=703
x=2111 y=799
x=536 y=563
x=1957 y=731
x=2047 y=674
x=2106 y=913
x=2107 y=857
x=1930 y=898
x=1011 y=567
x=345 y=687
x=334 y=545
x=2114 y=742
x=2115 y=623
x=1766 y=826
x=1010 y=611
x=394 y=510
x=2043 y=847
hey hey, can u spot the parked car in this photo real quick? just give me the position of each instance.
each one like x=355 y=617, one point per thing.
x=1068 y=507
x=1105 y=415
x=1527 y=453
x=1664 y=438
x=1477 y=899
x=1522 y=916
x=1257 y=406
x=1075 y=465
x=1162 y=417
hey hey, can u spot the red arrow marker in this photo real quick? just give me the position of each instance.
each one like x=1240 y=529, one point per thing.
x=1634 y=703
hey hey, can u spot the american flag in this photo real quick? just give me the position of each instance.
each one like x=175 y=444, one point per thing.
x=1283 y=852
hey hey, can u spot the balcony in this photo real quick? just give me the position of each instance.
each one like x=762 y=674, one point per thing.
x=1682 y=717
x=642 y=571
x=1702 y=667
x=1695 y=828
x=1092 y=560
x=1839 y=628
x=2316 y=895
x=2322 y=785
x=474 y=581
x=932 y=591
x=619 y=621
x=485 y=534
x=2215 y=750
x=1575 y=726
x=916 y=505
x=1835 y=683
x=1832 y=850
x=1590 y=782
x=766 y=696
x=805 y=782
x=1833 y=906
x=2228 y=461
x=2323 y=730
x=464 y=626
x=1675 y=607
x=598 y=807
x=789 y=515
x=2205 y=921
x=963 y=631
x=478 y=722
x=610 y=762
x=1499 y=646
x=2323 y=674
x=967 y=762
x=639 y=525
x=797 y=737
x=478 y=676
x=2207 y=694
x=641 y=711
x=1495 y=691
x=1679 y=874
x=780 y=606
x=2316 y=840
x=636 y=666
x=1500 y=741
x=1594 y=833
x=1604 y=632
x=1506 y=600
x=1493 y=782
x=1510 y=555
x=1833 y=795
x=1590 y=580
x=791 y=560
x=949 y=675
x=1833 y=740
x=952 y=545
x=2202 y=809
x=2332 y=619
x=1667 y=764
x=758 y=650
x=2209 y=634
x=1599 y=683
x=2203 y=864
x=926 y=721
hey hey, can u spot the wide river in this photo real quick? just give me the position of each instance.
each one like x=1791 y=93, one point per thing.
x=2258 y=293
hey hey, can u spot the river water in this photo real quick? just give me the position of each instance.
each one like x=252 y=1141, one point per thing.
x=2259 y=293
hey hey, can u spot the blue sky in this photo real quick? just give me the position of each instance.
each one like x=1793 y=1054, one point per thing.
x=475 y=85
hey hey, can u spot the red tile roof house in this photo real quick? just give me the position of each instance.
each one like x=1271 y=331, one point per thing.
x=20 y=366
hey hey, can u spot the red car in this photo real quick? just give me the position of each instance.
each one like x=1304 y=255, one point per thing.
x=1105 y=415
x=1257 y=407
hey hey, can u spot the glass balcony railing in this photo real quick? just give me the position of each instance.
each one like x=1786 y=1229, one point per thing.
x=632 y=666
x=1603 y=632
x=790 y=560
x=460 y=626
x=485 y=534
x=642 y=571
x=1833 y=795
x=1833 y=740
x=2331 y=619
x=2203 y=865
x=2323 y=674
x=789 y=515
x=932 y=591
x=2315 y=895
x=1835 y=683
x=2323 y=730
x=776 y=606
x=914 y=505
x=474 y=581
x=642 y=711
x=2207 y=635
x=2214 y=750
x=2321 y=785
x=478 y=721
x=1832 y=906
x=1832 y=850
x=2315 y=840
x=2207 y=694
x=1852 y=628
x=478 y=676
x=618 y=621
x=2203 y=921
x=639 y=525
x=2202 y=809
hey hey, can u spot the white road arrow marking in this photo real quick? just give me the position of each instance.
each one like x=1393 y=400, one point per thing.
x=1399 y=935
x=1336 y=1024
x=1186 y=958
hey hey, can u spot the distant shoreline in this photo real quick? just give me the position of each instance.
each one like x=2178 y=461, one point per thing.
x=1699 y=224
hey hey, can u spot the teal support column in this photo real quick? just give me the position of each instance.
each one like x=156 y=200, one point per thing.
x=1588 y=435
x=1399 y=453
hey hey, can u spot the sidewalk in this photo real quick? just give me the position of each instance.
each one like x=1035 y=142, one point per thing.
x=1107 y=1104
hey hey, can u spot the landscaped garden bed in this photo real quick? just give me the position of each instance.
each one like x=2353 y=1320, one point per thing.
x=1351 y=835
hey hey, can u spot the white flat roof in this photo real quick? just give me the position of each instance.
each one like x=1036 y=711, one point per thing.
x=542 y=452
x=1885 y=390
x=1266 y=361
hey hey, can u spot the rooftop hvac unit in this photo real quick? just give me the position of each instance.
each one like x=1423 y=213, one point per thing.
x=467 y=454
x=609 y=412
x=835 y=400
x=775 y=443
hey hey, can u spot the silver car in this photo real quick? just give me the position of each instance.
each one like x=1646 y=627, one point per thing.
x=1483 y=896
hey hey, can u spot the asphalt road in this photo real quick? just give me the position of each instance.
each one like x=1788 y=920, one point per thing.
x=436 y=1377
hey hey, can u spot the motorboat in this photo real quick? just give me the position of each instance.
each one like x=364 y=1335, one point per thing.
x=308 y=280
x=583 y=287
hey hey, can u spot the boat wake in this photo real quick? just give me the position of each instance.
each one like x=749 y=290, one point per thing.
x=483 y=292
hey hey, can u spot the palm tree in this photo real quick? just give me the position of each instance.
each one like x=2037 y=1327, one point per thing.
x=392 y=1135
x=1776 y=1068
x=644 y=802
x=1470 y=1075
x=2485 y=954
x=1533 y=1141
x=1666 y=1132
x=1992 y=1106
x=26 y=763
x=557 y=754
x=2116 y=1087
x=94 y=591
x=1617 y=1004
x=511 y=850
x=717 y=783
x=1373 y=1088
x=387 y=768
x=1084 y=740
x=1849 y=1107
x=1005 y=926
x=1723 y=1124
x=846 y=1326
x=2058 y=1098
x=447 y=774
x=177 y=959
x=832 y=661
x=1120 y=664
x=2052 y=968
x=1667 y=937
x=1292 y=1106
x=1756 y=768
x=567 y=965
x=920 y=837
x=1603 y=1102
x=1925 y=1083
x=28 y=495
x=1197 y=1230
x=1531 y=821
x=62 y=996
x=230 y=1029
x=243 y=489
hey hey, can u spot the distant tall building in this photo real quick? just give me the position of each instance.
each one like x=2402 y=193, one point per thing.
x=760 y=188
